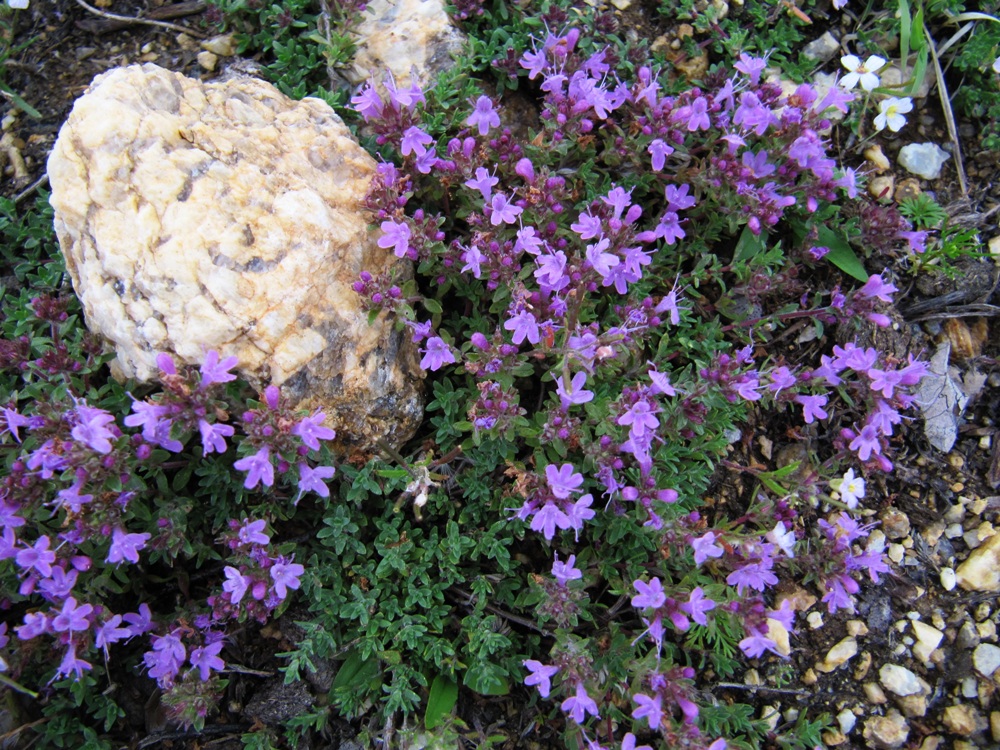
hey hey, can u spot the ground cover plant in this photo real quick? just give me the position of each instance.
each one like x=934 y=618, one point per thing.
x=603 y=301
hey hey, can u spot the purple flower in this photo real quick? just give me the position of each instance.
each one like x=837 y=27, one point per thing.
x=415 y=141
x=540 y=675
x=503 y=210
x=650 y=709
x=71 y=665
x=235 y=584
x=71 y=499
x=640 y=418
x=38 y=557
x=523 y=326
x=311 y=480
x=876 y=287
x=35 y=623
x=110 y=633
x=575 y=394
x=563 y=481
x=812 y=407
x=628 y=743
x=579 y=512
x=781 y=378
x=564 y=572
x=206 y=659
x=579 y=705
x=258 y=468
x=697 y=605
x=252 y=532
x=397 y=236
x=866 y=443
x=587 y=226
x=125 y=546
x=286 y=576
x=484 y=183
x=213 y=436
x=14 y=422
x=884 y=380
x=678 y=198
x=310 y=430
x=484 y=116
x=60 y=584
x=751 y=66
x=367 y=102
x=72 y=618
x=756 y=644
x=166 y=364
x=437 y=354
x=140 y=622
x=650 y=596
x=548 y=518
x=659 y=151
x=755 y=575
x=166 y=658
x=92 y=429
x=213 y=371
x=473 y=258
x=551 y=271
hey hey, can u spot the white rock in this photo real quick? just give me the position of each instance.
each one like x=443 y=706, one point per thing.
x=899 y=680
x=846 y=719
x=227 y=216
x=928 y=639
x=986 y=659
x=981 y=570
x=838 y=655
x=948 y=579
x=923 y=159
x=822 y=48
x=405 y=37
x=887 y=732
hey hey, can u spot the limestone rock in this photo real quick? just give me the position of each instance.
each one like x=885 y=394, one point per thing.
x=840 y=654
x=928 y=639
x=403 y=37
x=986 y=659
x=981 y=570
x=963 y=720
x=887 y=732
x=899 y=680
x=226 y=216
x=923 y=159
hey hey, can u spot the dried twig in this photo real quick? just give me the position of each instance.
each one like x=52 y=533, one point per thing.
x=949 y=115
x=760 y=688
x=31 y=188
x=131 y=20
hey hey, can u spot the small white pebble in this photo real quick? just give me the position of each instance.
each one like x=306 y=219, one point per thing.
x=907 y=640
x=913 y=615
x=948 y=579
x=896 y=552
x=815 y=620
x=969 y=688
x=954 y=531
x=846 y=720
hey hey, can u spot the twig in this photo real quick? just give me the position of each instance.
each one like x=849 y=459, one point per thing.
x=163 y=13
x=31 y=188
x=239 y=669
x=469 y=598
x=14 y=732
x=949 y=116
x=143 y=21
x=211 y=729
x=761 y=688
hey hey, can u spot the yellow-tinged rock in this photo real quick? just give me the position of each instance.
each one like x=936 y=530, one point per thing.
x=981 y=570
x=227 y=216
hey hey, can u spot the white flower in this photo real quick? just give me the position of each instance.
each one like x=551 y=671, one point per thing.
x=838 y=4
x=18 y=4
x=861 y=71
x=996 y=65
x=784 y=539
x=851 y=489
x=891 y=113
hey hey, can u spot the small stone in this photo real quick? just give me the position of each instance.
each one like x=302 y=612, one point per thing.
x=863 y=665
x=800 y=599
x=815 y=620
x=895 y=524
x=846 y=720
x=907 y=189
x=809 y=677
x=981 y=570
x=833 y=738
x=222 y=46
x=994 y=246
x=923 y=159
x=963 y=720
x=875 y=157
x=896 y=552
x=948 y=579
x=771 y=715
x=899 y=680
x=987 y=630
x=953 y=531
x=822 y=48
x=838 y=655
x=932 y=533
x=986 y=659
x=856 y=628
x=752 y=677
x=969 y=687
x=207 y=60
x=968 y=636
x=928 y=639
x=880 y=188
x=887 y=732
x=995 y=725
x=777 y=633
x=875 y=693
x=931 y=743
x=622 y=4
x=982 y=611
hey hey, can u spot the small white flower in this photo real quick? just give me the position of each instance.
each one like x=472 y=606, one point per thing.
x=782 y=538
x=891 y=113
x=996 y=65
x=851 y=489
x=863 y=72
x=18 y=4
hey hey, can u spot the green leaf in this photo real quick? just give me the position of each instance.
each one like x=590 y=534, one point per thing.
x=841 y=254
x=749 y=245
x=356 y=672
x=440 y=701
x=432 y=306
x=487 y=679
